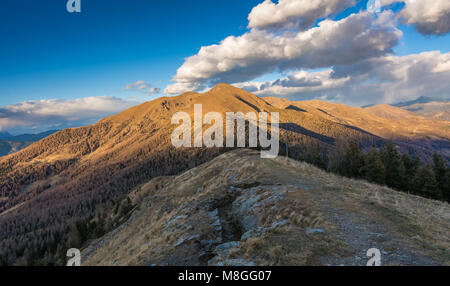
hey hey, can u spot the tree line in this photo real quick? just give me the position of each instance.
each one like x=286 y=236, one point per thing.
x=388 y=167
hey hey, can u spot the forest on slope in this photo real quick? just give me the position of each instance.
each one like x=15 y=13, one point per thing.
x=78 y=175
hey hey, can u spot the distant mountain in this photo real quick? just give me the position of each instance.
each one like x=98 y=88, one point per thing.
x=420 y=100
x=435 y=109
x=405 y=128
x=26 y=137
x=75 y=174
x=438 y=109
x=4 y=135
x=10 y=144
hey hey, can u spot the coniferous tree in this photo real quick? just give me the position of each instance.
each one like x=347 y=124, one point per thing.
x=315 y=156
x=374 y=170
x=74 y=240
x=411 y=165
x=425 y=183
x=403 y=179
x=391 y=161
x=353 y=161
x=440 y=170
x=335 y=159
x=446 y=186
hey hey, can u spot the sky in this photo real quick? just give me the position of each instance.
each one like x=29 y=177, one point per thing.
x=61 y=69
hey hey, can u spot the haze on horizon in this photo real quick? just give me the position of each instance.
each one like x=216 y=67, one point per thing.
x=63 y=70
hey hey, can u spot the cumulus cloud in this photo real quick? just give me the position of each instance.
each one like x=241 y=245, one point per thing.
x=301 y=82
x=391 y=79
x=354 y=54
x=258 y=52
x=47 y=114
x=143 y=87
x=294 y=14
x=386 y=79
x=428 y=17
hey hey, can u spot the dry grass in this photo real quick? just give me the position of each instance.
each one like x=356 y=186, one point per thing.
x=310 y=199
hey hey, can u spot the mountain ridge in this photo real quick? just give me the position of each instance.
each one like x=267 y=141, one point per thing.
x=75 y=174
x=391 y=123
x=420 y=100
x=439 y=110
x=241 y=210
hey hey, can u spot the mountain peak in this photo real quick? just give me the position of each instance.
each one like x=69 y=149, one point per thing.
x=224 y=86
x=227 y=89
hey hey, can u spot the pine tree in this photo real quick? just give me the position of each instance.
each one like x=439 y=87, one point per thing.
x=316 y=156
x=353 y=161
x=411 y=166
x=74 y=239
x=446 y=186
x=374 y=170
x=403 y=179
x=440 y=170
x=391 y=161
x=335 y=160
x=425 y=183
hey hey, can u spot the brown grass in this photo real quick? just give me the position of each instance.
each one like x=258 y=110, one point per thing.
x=311 y=199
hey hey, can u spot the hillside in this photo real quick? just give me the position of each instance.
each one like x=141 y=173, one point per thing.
x=75 y=174
x=240 y=209
x=407 y=129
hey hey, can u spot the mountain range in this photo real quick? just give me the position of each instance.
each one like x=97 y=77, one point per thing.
x=406 y=128
x=76 y=174
x=433 y=108
x=11 y=144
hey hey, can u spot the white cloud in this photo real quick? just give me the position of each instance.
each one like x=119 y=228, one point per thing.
x=386 y=79
x=405 y=78
x=181 y=87
x=55 y=113
x=301 y=82
x=356 y=53
x=143 y=87
x=137 y=85
x=429 y=17
x=258 y=52
x=298 y=14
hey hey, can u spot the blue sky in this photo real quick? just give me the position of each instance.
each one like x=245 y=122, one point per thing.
x=49 y=54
